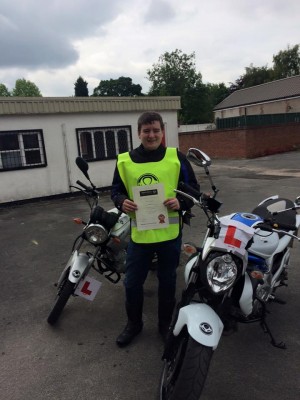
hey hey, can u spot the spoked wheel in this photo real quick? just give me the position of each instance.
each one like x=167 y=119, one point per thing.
x=183 y=377
x=62 y=299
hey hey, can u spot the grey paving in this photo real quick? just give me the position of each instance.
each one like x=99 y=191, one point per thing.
x=78 y=359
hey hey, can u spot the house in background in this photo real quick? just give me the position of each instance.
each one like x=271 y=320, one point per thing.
x=272 y=102
x=253 y=122
x=41 y=137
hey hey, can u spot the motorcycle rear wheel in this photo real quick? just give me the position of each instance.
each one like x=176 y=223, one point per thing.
x=62 y=299
x=184 y=376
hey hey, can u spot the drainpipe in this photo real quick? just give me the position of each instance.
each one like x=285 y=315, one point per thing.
x=63 y=129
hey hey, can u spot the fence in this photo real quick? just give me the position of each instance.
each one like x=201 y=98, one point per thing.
x=257 y=120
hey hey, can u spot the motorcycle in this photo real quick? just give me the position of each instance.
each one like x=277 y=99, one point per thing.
x=101 y=246
x=231 y=278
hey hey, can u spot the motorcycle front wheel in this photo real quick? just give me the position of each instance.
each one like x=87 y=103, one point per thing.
x=62 y=299
x=183 y=377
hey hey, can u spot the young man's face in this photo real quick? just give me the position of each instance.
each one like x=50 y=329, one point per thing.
x=151 y=135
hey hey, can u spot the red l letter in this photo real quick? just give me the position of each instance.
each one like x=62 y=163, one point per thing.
x=85 y=289
x=230 y=239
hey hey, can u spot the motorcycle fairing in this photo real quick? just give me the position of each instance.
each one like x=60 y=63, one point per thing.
x=246 y=299
x=213 y=244
x=202 y=323
x=188 y=267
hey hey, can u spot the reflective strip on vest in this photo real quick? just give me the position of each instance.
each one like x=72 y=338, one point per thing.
x=165 y=171
x=172 y=220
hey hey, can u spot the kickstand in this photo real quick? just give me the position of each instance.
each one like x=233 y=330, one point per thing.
x=266 y=329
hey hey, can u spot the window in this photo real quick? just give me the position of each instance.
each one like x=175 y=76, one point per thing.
x=22 y=149
x=103 y=143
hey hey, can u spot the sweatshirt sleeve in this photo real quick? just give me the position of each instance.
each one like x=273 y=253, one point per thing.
x=187 y=175
x=118 y=190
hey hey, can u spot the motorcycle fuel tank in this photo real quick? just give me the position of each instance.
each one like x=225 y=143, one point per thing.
x=120 y=232
x=264 y=243
x=121 y=228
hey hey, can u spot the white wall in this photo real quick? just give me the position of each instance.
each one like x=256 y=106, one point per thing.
x=61 y=170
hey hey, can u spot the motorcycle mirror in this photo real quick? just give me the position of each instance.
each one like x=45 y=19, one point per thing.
x=83 y=166
x=198 y=157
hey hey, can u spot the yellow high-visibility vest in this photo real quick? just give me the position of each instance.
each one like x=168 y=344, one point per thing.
x=166 y=172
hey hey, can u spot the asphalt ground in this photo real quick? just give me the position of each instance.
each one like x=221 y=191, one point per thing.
x=78 y=358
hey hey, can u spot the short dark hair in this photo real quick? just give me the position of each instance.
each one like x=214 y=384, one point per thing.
x=148 y=117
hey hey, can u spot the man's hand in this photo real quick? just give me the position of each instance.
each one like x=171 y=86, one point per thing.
x=129 y=206
x=172 y=203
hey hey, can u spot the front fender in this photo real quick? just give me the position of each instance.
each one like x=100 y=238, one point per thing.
x=202 y=323
x=75 y=267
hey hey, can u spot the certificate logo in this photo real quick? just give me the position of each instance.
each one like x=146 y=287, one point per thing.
x=147 y=179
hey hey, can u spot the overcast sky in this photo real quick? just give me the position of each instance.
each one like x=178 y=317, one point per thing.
x=53 y=42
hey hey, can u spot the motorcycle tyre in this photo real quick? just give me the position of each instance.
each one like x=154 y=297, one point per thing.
x=66 y=292
x=189 y=375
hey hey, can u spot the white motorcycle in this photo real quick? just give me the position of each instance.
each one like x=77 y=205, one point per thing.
x=101 y=246
x=230 y=279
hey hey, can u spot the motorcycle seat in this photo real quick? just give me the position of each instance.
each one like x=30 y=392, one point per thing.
x=266 y=209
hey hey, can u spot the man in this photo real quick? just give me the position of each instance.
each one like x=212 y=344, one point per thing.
x=151 y=164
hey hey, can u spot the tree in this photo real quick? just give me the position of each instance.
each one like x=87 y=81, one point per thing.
x=287 y=62
x=175 y=75
x=217 y=92
x=122 y=86
x=4 y=92
x=196 y=106
x=252 y=77
x=81 y=87
x=24 y=88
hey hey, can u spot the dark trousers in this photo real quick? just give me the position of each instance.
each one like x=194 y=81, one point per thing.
x=139 y=258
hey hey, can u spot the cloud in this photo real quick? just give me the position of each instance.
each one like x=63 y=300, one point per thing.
x=39 y=35
x=52 y=42
x=159 y=11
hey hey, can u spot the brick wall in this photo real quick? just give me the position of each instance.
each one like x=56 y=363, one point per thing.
x=243 y=142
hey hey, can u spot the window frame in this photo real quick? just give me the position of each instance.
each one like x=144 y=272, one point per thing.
x=105 y=130
x=22 y=150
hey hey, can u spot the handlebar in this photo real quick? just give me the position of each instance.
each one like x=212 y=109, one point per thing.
x=91 y=191
x=269 y=226
x=187 y=188
x=279 y=228
x=88 y=188
x=201 y=199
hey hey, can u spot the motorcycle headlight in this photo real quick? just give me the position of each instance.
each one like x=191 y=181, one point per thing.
x=221 y=273
x=96 y=234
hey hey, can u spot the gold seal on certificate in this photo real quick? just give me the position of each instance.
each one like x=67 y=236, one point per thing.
x=151 y=212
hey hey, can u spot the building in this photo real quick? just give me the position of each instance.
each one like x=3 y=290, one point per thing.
x=253 y=122
x=41 y=137
x=268 y=103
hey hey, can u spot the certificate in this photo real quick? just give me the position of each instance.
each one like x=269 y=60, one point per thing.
x=151 y=212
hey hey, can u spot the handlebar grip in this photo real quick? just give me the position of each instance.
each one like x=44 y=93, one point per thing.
x=189 y=189
x=83 y=185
